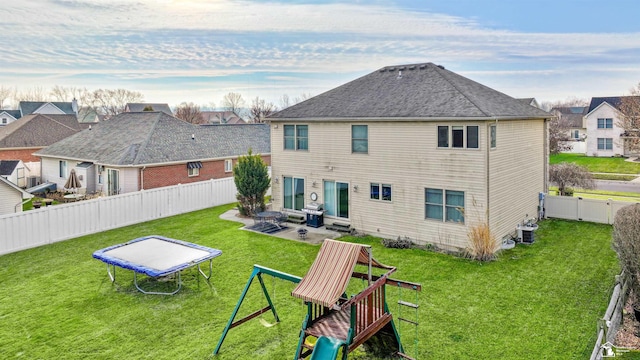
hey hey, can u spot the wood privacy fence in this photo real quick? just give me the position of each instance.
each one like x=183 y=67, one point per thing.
x=609 y=324
x=61 y=222
x=577 y=208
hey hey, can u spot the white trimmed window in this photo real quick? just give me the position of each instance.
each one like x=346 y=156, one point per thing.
x=458 y=137
x=193 y=172
x=605 y=144
x=493 y=136
x=360 y=139
x=293 y=190
x=228 y=165
x=380 y=192
x=444 y=205
x=62 y=168
x=296 y=137
x=605 y=123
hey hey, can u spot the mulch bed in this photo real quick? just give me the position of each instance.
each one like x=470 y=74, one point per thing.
x=629 y=330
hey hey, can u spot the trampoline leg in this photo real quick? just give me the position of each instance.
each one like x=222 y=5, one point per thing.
x=112 y=276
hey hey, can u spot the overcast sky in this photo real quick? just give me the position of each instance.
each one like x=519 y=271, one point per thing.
x=199 y=50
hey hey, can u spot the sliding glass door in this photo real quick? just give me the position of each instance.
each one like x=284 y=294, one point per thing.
x=336 y=198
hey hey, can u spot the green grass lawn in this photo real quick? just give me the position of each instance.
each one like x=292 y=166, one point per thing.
x=598 y=164
x=600 y=194
x=539 y=301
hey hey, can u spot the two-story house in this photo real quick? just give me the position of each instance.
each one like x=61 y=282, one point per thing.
x=605 y=133
x=414 y=151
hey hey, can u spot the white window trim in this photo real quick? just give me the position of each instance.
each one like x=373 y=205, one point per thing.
x=193 y=172
x=465 y=130
x=228 y=165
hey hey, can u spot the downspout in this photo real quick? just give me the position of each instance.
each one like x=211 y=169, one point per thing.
x=142 y=178
x=545 y=186
x=488 y=162
x=15 y=208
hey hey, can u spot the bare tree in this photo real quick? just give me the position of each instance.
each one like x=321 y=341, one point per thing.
x=233 y=102
x=260 y=109
x=36 y=93
x=302 y=97
x=569 y=174
x=558 y=136
x=62 y=93
x=568 y=102
x=629 y=121
x=6 y=93
x=285 y=101
x=113 y=101
x=189 y=112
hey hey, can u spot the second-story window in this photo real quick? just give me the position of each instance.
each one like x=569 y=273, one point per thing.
x=360 y=139
x=296 y=137
x=605 y=123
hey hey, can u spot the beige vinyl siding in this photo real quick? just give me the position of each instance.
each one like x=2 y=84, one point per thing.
x=9 y=198
x=516 y=175
x=402 y=154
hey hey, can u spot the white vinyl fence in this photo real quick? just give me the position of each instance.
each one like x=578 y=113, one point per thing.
x=61 y=222
x=577 y=208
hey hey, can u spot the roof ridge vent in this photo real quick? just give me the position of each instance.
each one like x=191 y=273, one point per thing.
x=422 y=66
x=412 y=67
x=440 y=66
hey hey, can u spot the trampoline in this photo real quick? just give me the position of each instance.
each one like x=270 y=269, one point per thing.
x=157 y=257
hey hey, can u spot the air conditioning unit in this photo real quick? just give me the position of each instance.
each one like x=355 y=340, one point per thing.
x=33 y=181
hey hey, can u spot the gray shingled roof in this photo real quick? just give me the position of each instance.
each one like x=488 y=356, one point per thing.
x=614 y=101
x=28 y=107
x=138 y=107
x=417 y=91
x=14 y=113
x=7 y=166
x=571 y=116
x=144 y=138
x=37 y=130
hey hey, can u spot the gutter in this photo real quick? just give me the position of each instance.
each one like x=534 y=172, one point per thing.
x=390 y=118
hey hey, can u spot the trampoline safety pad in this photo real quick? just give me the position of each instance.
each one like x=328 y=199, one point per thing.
x=157 y=256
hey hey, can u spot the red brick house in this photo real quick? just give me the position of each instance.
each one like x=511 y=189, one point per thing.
x=144 y=150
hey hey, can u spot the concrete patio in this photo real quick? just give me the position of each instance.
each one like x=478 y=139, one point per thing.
x=314 y=235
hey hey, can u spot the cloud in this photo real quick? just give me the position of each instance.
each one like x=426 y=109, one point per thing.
x=249 y=45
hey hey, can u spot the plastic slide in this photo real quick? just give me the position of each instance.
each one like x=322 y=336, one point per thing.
x=326 y=348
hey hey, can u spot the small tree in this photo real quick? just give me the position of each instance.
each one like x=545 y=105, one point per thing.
x=626 y=242
x=189 y=112
x=558 y=136
x=569 y=174
x=252 y=181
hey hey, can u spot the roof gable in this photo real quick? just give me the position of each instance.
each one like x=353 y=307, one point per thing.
x=44 y=107
x=143 y=138
x=425 y=91
x=613 y=101
x=139 y=107
x=5 y=182
x=8 y=166
x=37 y=130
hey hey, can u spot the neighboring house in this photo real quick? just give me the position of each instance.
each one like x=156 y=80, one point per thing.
x=571 y=119
x=604 y=133
x=89 y=115
x=139 y=107
x=11 y=197
x=221 y=117
x=8 y=116
x=14 y=171
x=412 y=151
x=145 y=150
x=49 y=108
x=20 y=139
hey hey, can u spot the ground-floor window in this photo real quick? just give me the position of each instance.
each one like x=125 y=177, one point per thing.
x=444 y=205
x=380 y=192
x=293 y=190
x=336 y=198
x=605 y=144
